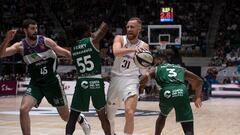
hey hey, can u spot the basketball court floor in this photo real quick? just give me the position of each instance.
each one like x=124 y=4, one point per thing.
x=218 y=116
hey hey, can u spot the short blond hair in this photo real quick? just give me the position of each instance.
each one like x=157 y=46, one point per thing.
x=138 y=20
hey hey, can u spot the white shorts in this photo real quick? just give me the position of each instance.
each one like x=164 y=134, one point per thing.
x=121 y=88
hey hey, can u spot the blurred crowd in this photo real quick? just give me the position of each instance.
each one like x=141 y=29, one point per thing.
x=17 y=77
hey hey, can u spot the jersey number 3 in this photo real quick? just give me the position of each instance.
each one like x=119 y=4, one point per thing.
x=85 y=64
x=171 y=72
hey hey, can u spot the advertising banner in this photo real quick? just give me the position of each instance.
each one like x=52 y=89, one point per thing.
x=8 y=88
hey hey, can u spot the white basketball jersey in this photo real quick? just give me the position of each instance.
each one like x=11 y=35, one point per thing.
x=125 y=66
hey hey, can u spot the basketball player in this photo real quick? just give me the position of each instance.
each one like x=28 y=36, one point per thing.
x=86 y=57
x=124 y=75
x=174 y=93
x=39 y=53
x=90 y=82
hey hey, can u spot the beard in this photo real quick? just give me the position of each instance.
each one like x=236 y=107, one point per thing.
x=33 y=36
x=131 y=36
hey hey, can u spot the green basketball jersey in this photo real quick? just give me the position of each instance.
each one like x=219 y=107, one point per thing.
x=169 y=74
x=86 y=58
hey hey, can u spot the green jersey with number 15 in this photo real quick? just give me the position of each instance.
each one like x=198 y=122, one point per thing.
x=86 y=58
x=41 y=60
x=169 y=74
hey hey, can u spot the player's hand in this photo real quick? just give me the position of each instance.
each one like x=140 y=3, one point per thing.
x=198 y=102
x=10 y=34
x=141 y=49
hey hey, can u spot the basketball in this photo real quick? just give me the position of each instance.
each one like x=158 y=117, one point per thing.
x=143 y=59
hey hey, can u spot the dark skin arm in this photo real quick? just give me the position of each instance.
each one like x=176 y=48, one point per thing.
x=196 y=83
x=99 y=34
x=145 y=78
x=97 y=37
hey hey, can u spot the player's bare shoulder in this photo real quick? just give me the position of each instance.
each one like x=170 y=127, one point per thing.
x=118 y=39
x=50 y=43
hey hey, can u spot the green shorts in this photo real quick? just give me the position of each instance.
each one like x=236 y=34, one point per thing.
x=53 y=91
x=86 y=88
x=176 y=97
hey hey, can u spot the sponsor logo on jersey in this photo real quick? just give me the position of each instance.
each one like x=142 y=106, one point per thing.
x=167 y=94
x=84 y=84
x=34 y=55
x=94 y=84
x=91 y=84
x=177 y=93
x=174 y=93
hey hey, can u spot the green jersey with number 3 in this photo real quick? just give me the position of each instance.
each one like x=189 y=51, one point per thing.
x=169 y=74
x=86 y=58
x=174 y=94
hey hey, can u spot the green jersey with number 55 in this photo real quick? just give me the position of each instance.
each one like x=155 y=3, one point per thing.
x=86 y=58
x=169 y=74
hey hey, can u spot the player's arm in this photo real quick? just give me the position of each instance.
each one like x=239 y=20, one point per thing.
x=118 y=50
x=196 y=83
x=56 y=48
x=8 y=51
x=146 y=77
x=99 y=34
x=144 y=47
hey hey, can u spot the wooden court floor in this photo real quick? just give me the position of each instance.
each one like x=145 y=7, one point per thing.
x=218 y=116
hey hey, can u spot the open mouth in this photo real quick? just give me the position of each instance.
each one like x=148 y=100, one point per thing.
x=130 y=33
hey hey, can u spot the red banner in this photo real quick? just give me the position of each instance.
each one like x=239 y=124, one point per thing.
x=8 y=88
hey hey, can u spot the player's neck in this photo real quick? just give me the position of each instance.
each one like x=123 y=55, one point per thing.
x=30 y=41
x=133 y=41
